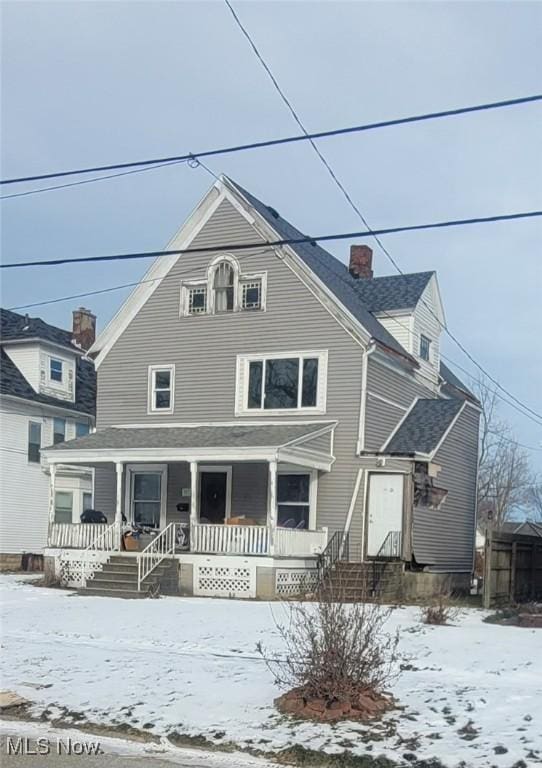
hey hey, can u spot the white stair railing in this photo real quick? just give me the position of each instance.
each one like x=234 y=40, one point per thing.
x=77 y=567
x=153 y=554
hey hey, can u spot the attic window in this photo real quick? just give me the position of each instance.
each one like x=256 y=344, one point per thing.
x=55 y=370
x=425 y=347
x=225 y=289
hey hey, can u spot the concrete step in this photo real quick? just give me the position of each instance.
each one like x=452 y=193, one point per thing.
x=132 y=594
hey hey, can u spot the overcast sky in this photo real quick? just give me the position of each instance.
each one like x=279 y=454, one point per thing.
x=88 y=83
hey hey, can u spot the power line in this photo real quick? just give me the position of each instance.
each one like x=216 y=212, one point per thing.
x=285 y=140
x=276 y=243
x=90 y=181
x=374 y=233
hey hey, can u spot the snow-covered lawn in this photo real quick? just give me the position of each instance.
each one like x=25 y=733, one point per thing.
x=190 y=666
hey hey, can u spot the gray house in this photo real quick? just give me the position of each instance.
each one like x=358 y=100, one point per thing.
x=260 y=405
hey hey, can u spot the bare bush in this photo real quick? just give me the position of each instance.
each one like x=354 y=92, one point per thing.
x=334 y=651
x=440 y=610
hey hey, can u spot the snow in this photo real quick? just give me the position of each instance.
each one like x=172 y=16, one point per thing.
x=190 y=665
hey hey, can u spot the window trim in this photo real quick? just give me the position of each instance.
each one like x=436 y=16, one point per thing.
x=242 y=381
x=207 y=282
x=423 y=338
x=32 y=422
x=151 y=390
x=131 y=469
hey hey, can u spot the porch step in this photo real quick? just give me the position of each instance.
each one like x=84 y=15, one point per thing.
x=118 y=578
x=366 y=581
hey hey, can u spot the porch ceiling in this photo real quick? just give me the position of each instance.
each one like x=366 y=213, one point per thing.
x=172 y=442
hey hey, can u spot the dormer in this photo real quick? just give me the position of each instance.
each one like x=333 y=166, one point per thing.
x=409 y=306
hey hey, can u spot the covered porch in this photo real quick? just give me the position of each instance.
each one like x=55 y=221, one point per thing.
x=236 y=489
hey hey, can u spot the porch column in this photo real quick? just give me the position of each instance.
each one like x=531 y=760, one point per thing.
x=272 y=505
x=118 y=508
x=193 y=493
x=52 y=484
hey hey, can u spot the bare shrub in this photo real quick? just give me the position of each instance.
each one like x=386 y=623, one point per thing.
x=334 y=651
x=440 y=610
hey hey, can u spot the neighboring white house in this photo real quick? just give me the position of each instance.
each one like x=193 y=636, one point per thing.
x=47 y=395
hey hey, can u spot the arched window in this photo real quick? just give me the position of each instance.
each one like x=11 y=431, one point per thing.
x=224 y=287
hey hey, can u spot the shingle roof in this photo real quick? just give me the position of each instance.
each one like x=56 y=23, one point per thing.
x=391 y=292
x=453 y=386
x=424 y=426
x=12 y=382
x=16 y=327
x=330 y=270
x=218 y=436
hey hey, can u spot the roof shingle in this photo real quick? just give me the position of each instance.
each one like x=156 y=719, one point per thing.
x=424 y=426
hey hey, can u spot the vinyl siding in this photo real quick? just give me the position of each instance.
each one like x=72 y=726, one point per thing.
x=445 y=536
x=24 y=485
x=426 y=323
x=204 y=350
x=382 y=417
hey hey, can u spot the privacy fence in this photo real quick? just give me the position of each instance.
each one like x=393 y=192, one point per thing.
x=512 y=568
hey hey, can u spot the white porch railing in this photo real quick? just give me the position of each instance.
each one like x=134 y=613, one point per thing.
x=229 y=539
x=76 y=567
x=290 y=541
x=153 y=554
x=76 y=535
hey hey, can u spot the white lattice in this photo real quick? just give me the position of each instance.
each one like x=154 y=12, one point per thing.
x=75 y=567
x=225 y=579
x=294 y=581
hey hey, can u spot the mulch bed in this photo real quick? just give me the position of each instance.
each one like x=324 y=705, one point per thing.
x=364 y=706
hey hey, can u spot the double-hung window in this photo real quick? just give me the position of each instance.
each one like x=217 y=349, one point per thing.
x=293 y=497
x=55 y=370
x=277 y=383
x=161 y=388
x=425 y=347
x=59 y=431
x=34 y=441
x=63 y=506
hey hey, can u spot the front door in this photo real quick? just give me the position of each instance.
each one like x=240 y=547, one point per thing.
x=213 y=489
x=384 y=510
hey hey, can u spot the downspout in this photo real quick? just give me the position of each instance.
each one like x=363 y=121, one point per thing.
x=363 y=401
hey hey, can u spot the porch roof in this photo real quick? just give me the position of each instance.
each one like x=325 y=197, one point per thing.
x=186 y=442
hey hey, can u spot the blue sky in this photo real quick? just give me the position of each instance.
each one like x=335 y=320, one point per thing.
x=88 y=83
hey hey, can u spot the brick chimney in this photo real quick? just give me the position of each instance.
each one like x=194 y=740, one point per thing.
x=84 y=328
x=361 y=261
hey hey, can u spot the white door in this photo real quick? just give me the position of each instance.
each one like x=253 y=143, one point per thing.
x=385 y=509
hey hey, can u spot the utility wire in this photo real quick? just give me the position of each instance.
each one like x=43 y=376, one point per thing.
x=374 y=233
x=275 y=243
x=90 y=181
x=280 y=141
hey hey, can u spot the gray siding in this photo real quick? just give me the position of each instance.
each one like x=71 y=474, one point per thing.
x=178 y=477
x=105 y=490
x=204 y=350
x=381 y=417
x=445 y=536
x=249 y=490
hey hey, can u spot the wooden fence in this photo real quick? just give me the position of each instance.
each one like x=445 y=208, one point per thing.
x=512 y=568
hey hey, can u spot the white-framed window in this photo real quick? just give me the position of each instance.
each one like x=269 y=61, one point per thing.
x=425 y=347
x=56 y=368
x=146 y=494
x=296 y=498
x=197 y=300
x=225 y=289
x=82 y=428
x=161 y=388
x=34 y=441
x=282 y=383
x=86 y=501
x=59 y=430
x=63 y=506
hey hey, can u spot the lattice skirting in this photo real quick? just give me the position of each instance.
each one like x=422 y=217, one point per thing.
x=74 y=568
x=294 y=581
x=225 y=577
